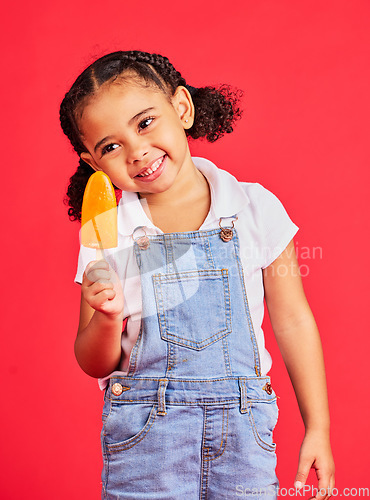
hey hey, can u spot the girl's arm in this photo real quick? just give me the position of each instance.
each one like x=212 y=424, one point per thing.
x=299 y=342
x=98 y=342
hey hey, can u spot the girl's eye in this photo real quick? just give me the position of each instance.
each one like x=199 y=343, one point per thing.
x=145 y=123
x=108 y=148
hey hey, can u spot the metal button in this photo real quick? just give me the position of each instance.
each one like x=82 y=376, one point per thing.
x=143 y=242
x=117 y=389
x=226 y=234
x=268 y=388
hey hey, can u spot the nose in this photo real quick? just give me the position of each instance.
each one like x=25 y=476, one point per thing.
x=136 y=149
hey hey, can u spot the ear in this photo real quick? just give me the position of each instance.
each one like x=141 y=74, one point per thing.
x=183 y=104
x=87 y=158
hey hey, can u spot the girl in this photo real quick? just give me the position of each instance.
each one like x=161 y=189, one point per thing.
x=189 y=409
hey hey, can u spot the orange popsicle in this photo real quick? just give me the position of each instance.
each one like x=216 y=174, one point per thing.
x=99 y=214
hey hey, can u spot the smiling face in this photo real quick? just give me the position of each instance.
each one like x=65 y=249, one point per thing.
x=136 y=135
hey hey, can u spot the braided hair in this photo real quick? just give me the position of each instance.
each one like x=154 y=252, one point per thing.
x=216 y=109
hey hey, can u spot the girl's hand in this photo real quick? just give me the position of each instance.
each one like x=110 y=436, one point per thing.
x=316 y=453
x=102 y=289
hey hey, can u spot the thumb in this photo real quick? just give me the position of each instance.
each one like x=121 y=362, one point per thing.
x=302 y=473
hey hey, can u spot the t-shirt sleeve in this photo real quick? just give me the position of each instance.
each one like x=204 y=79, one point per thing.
x=275 y=226
x=85 y=256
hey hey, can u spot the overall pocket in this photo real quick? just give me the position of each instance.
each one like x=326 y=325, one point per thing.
x=263 y=418
x=127 y=425
x=193 y=306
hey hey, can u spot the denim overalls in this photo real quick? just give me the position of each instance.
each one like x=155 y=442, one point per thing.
x=193 y=418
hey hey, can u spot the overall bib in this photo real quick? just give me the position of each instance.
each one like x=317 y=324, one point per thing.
x=193 y=418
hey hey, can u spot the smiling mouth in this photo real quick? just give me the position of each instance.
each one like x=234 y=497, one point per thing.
x=153 y=168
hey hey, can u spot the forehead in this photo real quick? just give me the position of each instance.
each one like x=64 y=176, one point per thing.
x=124 y=97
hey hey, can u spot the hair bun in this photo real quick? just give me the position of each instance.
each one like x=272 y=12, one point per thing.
x=216 y=111
x=192 y=90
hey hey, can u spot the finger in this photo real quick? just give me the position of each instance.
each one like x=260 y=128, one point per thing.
x=91 y=293
x=323 y=487
x=304 y=467
x=329 y=489
x=98 y=264
x=331 y=485
x=322 y=494
x=100 y=286
x=96 y=274
x=95 y=265
x=102 y=298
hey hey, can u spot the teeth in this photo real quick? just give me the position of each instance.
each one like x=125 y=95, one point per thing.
x=153 y=169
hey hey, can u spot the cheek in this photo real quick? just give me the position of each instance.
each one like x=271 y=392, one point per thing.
x=177 y=139
x=116 y=171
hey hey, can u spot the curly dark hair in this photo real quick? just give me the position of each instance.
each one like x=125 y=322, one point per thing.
x=216 y=109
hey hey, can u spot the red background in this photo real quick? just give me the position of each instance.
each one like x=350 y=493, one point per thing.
x=304 y=68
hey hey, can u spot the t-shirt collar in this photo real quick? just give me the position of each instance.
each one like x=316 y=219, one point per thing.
x=227 y=199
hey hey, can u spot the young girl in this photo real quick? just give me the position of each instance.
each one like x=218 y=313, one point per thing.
x=189 y=409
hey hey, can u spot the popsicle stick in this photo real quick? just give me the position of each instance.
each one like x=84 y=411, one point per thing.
x=99 y=251
x=100 y=254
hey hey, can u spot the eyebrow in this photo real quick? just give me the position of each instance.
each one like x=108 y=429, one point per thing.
x=134 y=118
x=98 y=144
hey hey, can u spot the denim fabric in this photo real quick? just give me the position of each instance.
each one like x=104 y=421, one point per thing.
x=193 y=418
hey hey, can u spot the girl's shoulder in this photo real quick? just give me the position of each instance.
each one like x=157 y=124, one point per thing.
x=258 y=195
x=221 y=179
x=265 y=206
x=264 y=224
x=230 y=193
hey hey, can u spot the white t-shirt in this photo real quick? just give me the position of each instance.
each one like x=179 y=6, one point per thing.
x=264 y=229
